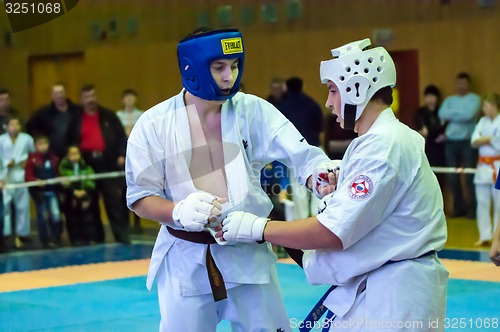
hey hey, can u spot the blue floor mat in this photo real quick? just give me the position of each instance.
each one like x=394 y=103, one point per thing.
x=125 y=305
x=45 y=259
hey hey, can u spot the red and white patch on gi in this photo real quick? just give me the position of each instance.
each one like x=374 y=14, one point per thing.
x=361 y=187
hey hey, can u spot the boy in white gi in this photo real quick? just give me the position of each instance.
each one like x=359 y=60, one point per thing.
x=14 y=148
x=196 y=156
x=486 y=138
x=377 y=235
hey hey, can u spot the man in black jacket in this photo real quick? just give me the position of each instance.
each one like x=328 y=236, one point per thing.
x=307 y=116
x=52 y=120
x=101 y=138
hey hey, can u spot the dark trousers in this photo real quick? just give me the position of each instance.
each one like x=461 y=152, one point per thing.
x=112 y=192
x=80 y=221
x=461 y=154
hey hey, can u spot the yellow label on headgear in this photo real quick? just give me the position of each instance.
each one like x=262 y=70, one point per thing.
x=232 y=45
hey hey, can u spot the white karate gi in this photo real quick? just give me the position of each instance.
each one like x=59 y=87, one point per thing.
x=20 y=197
x=388 y=206
x=485 y=177
x=254 y=133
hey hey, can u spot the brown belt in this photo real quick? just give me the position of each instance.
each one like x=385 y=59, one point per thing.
x=214 y=276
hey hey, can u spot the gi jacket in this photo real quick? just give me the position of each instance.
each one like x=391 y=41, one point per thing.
x=159 y=153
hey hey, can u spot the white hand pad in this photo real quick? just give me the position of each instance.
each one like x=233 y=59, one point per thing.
x=193 y=212
x=243 y=227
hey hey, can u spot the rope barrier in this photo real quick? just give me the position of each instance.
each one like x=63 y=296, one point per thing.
x=116 y=174
x=62 y=179
x=458 y=170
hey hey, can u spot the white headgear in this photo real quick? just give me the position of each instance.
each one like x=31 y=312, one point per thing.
x=358 y=75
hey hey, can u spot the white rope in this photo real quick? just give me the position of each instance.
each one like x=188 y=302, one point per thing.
x=62 y=179
x=116 y=174
x=458 y=170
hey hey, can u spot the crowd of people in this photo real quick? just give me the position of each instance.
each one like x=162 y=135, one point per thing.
x=64 y=138
x=463 y=131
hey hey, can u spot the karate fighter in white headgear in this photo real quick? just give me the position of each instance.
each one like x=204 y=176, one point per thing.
x=377 y=235
x=196 y=156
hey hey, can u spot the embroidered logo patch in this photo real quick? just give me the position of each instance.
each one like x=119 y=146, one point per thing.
x=361 y=187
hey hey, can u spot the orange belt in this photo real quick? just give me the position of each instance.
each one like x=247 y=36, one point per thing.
x=490 y=161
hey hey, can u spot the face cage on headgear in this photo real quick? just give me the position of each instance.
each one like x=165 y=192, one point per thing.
x=358 y=75
x=196 y=53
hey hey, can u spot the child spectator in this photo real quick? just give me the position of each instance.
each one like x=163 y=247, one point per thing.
x=128 y=117
x=43 y=165
x=14 y=149
x=78 y=198
x=486 y=138
x=130 y=113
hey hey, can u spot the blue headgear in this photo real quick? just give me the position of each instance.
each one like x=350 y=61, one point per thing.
x=195 y=53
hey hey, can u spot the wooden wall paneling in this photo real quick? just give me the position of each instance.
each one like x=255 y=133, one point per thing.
x=452 y=37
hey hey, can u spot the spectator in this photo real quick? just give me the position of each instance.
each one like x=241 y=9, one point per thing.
x=128 y=117
x=275 y=174
x=130 y=113
x=102 y=141
x=460 y=112
x=486 y=138
x=302 y=111
x=6 y=111
x=14 y=149
x=336 y=139
x=278 y=89
x=430 y=127
x=78 y=199
x=43 y=165
x=52 y=120
x=307 y=117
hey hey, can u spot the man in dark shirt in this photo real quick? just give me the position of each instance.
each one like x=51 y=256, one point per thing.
x=277 y=91
x=302 y=111
x=52 y=120
x=307 y=116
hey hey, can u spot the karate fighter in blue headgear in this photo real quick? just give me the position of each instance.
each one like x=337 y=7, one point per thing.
x=196 y=157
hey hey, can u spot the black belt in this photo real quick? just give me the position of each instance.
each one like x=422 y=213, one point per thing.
x=219 y=291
